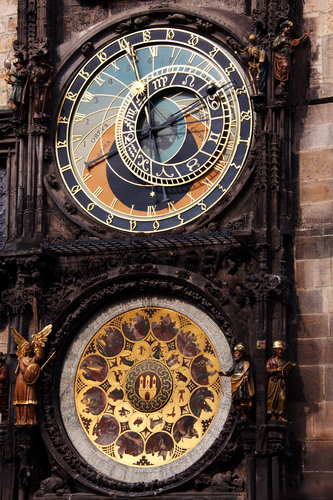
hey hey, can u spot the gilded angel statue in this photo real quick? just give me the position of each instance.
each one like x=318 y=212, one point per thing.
x=27 y=372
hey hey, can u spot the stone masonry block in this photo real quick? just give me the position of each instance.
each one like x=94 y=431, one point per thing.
x=310 y=301
x=317 y=485
x=314 y=7
x=323 y=421
x=327 y=300
x=313 y=247
x=316 y=164
x=304 y=274
x=316 y=115
x=316 y=136
x=301 y=416
x=328 y=387
x=313 y=351
x=320 y=212
x=319 y=456
x=313 y=326
x=316 y=191
x=306 y=384
x=322 y=272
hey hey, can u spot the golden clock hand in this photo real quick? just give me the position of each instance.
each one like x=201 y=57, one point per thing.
x=211 y=90
x=89 y=164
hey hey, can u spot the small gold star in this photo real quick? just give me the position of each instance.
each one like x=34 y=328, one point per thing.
x=152 y=194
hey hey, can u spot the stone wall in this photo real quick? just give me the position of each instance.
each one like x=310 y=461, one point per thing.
x=312 y=410
x=8 y=23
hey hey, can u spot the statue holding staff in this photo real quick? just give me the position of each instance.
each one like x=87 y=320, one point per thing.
x=27 y=372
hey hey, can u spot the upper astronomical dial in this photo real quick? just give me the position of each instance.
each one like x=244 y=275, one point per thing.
x=153 y=127
x=154 y=130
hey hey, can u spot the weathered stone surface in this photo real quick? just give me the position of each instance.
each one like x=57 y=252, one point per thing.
x=322 y=270
x=306 y=383
x=319 y=456
x=323 y=421
x=310 y=301
x=301 y=418
x=311 y=192
x=312 y=247
x=313 y=351
x=319 y=213
x=304 y=274
x=317 y=484
x=328 y=377
x=313 y=326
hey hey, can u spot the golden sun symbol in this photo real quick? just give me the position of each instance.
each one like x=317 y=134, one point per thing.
x=139 y=87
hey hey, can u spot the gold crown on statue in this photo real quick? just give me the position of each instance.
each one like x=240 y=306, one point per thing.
x=240 y=347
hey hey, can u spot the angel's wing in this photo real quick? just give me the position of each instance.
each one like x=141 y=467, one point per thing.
x=41 y=337
x=21 y=342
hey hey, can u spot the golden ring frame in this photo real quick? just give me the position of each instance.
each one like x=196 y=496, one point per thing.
x=147 y=387
x=93 y=455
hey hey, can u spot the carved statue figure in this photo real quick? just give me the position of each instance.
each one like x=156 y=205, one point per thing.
x=27 y=372
x=18 y=96
x=276 y=371
x=242 y=385
x=53 y=484
x=284 y=48
x=229 y=481
x=256 y=60
x=41 y=82
x=4 y=389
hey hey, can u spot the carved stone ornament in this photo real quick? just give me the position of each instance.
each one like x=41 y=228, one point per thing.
x=138 y=365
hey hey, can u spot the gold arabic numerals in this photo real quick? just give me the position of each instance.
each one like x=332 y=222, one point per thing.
x=102 y=56
x=98 y=191
x=75 y=189
x=109 y=219
x=203 y=206
x=125 y=45
x=193 y=40
x=213 y=52
x=146 y=35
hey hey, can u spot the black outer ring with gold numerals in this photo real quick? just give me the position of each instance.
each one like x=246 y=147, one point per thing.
x=129 y=198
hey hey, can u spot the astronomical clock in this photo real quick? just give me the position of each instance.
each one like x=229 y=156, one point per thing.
x=153 y=130
x=136 y=166
x=141 y=395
